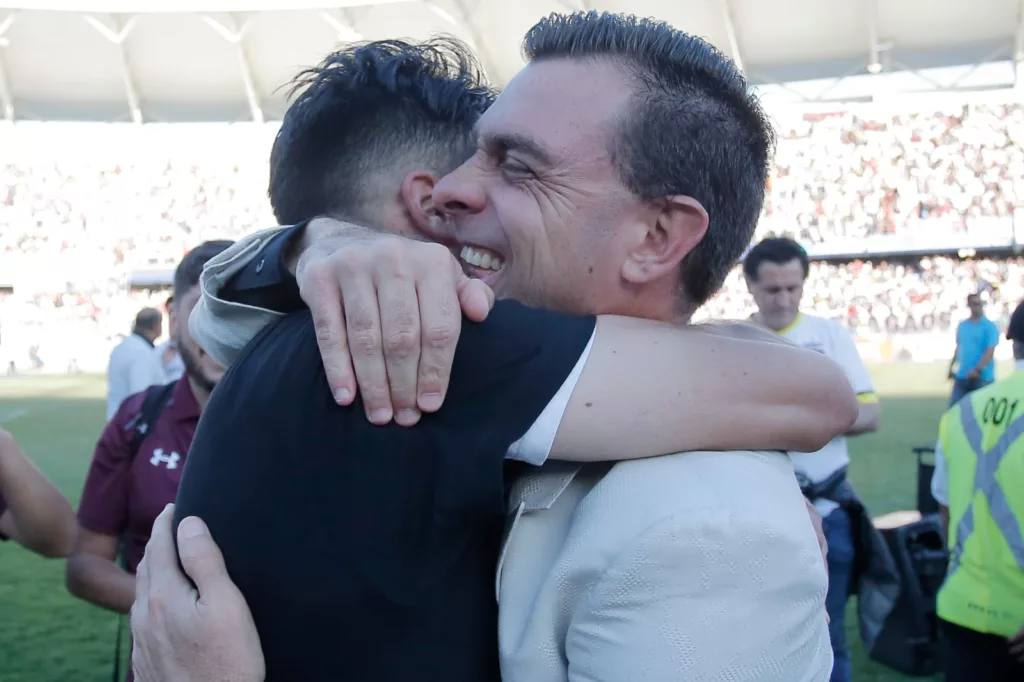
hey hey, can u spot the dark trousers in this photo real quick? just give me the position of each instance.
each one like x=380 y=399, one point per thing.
x=962 y=387
x=976 y=657
x=841 y=552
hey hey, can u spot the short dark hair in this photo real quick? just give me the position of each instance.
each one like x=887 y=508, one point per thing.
x=371 y=107
x=186 y=275
x=693 y=128
x=147 y=319
x=778 y=250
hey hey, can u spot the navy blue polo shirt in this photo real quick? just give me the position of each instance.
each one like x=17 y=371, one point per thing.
x=368 y=552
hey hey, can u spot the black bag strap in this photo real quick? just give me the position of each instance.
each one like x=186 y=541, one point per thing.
x=152 y=407
x=117 y=650
x=825 y=490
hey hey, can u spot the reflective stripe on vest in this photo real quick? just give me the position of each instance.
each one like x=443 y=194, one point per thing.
x=985 y=482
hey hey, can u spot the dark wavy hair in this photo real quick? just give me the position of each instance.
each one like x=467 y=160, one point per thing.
x=367 y=111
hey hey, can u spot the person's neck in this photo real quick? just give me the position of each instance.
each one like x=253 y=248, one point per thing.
x=663 y=304
x=672 y=314
x=201 y=395
x=976 y=318
x=756 y=317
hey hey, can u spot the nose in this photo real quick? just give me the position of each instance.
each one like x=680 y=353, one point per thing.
x=460 y=192
x=787 y=299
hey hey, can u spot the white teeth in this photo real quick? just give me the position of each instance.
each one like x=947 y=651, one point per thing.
x=480 y=259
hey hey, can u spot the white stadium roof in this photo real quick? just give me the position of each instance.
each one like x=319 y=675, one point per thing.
x=223 y=60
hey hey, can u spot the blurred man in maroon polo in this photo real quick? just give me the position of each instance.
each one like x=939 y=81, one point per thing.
x=138 y=461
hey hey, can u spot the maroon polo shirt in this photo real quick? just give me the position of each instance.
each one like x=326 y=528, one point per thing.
x=123 y=496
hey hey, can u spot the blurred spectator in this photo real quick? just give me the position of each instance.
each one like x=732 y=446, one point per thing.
x=134 y=365
x=976 y=341
x=138 y=461
x=878 y=297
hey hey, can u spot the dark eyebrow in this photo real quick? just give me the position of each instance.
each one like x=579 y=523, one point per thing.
x=493 y=143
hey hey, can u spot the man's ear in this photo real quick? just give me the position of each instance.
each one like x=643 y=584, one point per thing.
x=416 y=194
x=679 y=225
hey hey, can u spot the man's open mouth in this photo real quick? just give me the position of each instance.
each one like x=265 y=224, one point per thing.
x=482 y=260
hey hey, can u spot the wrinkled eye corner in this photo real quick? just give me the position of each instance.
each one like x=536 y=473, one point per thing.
x=516 y=168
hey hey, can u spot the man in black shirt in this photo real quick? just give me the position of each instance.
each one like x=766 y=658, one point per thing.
x=386 y=537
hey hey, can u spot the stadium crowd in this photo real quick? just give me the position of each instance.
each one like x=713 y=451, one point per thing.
x=131 y=199
x=851 y=175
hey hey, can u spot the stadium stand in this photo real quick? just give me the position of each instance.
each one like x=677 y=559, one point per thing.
x=888 y=196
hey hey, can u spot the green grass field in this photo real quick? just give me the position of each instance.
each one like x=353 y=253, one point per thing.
x=48 y=636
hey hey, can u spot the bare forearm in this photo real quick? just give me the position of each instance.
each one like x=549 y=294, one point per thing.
x=985 y=359
x=869 y=419
x=40 y=517
x=650 y=389
x=100 y=581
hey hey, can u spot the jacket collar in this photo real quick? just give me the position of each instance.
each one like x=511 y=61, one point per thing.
x=539 y=490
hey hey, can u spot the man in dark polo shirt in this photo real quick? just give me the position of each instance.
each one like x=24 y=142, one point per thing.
x=368 y=552
x=126 y=488
x=33 y=512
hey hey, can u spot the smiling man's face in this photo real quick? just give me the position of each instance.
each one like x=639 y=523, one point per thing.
x=539 y=209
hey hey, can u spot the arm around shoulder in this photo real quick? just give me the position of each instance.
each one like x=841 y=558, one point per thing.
x=706 y=595
x=650 y=389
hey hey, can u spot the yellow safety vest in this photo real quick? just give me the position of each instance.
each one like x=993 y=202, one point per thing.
x=984 y=451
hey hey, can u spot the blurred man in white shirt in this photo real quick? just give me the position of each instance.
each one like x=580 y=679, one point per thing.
x=134 y=364
x=775 y=270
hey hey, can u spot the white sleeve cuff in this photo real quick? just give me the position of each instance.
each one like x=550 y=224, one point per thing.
x=535 y=447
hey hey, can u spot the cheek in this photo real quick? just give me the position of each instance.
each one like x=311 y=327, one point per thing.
x=211 y=367
x=521 y=225
x=180 y=329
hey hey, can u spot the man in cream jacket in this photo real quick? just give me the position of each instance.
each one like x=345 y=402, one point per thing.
x=696 y=566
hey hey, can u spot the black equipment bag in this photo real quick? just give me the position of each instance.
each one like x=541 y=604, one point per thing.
x=909 y=639
x=926 y=504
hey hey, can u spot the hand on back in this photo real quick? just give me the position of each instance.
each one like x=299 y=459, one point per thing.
x=185 y=633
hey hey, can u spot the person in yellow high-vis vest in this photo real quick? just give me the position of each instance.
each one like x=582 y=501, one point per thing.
x=979 y=485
